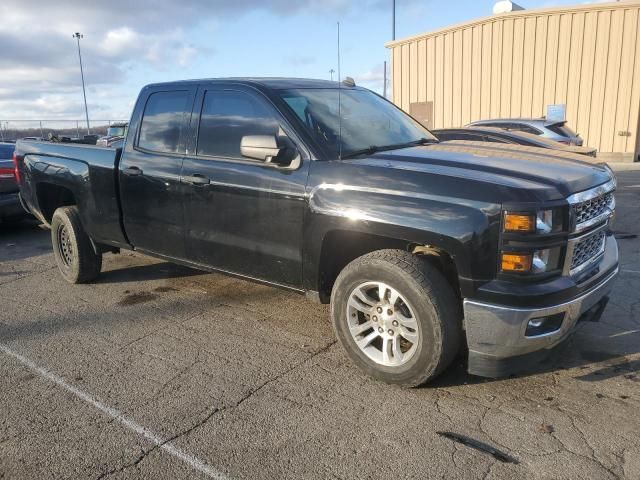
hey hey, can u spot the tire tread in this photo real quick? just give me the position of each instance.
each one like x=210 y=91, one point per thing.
x=89 y=262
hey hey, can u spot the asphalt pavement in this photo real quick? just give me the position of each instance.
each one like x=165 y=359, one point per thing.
x=159 y=371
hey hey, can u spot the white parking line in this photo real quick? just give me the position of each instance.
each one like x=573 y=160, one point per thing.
x=187 y=458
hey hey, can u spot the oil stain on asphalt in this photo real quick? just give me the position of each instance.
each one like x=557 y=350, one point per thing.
x=136 y=298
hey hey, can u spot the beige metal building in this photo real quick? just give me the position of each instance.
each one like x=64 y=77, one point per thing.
x=515 y=64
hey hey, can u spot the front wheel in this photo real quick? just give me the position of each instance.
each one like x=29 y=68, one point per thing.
x=72 y=248
x=397 y=317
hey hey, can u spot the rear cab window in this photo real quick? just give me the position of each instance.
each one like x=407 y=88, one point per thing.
x=163 y=121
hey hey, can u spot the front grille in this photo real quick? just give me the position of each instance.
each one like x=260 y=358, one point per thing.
x=592 y=209
x=587 y=249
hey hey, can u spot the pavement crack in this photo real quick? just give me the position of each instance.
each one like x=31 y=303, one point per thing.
x=146 y=453
x=251 y=393
x=593 y=457
x=213 y=412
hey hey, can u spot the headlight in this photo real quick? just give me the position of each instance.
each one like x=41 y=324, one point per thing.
x=543 y=221
x=539 y=261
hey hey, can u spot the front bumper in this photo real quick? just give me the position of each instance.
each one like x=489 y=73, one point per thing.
x=496 y=336
x=10 y=206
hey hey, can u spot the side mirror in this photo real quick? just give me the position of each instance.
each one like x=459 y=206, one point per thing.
x=260 y=147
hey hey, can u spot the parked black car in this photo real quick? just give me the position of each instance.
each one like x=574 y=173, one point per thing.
x=512 y=137
x=335 y=193
x=10 y=208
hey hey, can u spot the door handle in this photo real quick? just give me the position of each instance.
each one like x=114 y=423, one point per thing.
x=197 y=179
x=132 y=171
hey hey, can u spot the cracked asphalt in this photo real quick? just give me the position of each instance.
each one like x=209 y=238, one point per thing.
x=248 y=381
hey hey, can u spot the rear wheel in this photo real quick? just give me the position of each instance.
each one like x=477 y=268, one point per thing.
x=72 y=248
x=397 y=317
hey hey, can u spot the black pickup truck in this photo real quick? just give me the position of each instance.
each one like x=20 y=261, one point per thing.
x=329 y=190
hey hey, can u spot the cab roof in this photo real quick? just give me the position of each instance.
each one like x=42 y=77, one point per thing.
x=275 y=83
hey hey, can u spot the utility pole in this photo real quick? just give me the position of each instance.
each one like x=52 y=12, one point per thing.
x=393 y=20
x=332 y=71
x=78 y=36
x=384 y=79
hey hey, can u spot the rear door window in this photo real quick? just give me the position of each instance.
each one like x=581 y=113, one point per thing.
x=163 y=121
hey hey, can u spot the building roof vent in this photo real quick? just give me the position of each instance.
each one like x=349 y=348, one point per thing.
x=505 y=7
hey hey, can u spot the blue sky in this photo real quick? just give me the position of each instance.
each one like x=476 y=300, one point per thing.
x=127 y=45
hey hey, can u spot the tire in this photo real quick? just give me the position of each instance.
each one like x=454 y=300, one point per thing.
x=422 y=326
x=72 y=248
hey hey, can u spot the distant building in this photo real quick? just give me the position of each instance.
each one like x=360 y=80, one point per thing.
x=516 y=64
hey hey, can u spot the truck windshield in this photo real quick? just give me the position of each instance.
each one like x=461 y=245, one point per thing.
x=116 y=131
x=369 y=123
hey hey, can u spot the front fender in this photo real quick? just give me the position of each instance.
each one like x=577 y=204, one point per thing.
x=465 y=229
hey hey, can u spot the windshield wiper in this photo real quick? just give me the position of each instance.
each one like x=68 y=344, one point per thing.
x=420 y=141
x=379 y=148
x=369 y=150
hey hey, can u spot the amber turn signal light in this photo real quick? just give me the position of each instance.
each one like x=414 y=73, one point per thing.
x=513 y=262
x=516 y=222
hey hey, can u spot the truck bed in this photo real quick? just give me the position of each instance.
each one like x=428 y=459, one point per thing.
x=86 y=173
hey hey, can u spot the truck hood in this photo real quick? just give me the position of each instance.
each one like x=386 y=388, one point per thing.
x=534 y=169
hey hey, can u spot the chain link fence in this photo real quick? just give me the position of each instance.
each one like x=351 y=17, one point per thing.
x=11 y=130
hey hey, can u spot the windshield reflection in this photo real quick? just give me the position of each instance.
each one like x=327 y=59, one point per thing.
x=368 y=120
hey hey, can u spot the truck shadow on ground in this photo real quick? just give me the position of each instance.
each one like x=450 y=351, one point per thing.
x=574 y=353
x=612 y=360
x=139 y=273
x=25 y=240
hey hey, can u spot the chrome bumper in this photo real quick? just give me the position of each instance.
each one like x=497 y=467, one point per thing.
x=496 y=333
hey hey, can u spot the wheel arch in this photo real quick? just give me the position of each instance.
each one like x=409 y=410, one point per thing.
x=51 y=196
x=340 y=247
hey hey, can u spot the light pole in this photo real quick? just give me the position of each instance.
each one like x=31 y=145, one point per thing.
x=332 y=71
x=393 y=19
x=78 y=36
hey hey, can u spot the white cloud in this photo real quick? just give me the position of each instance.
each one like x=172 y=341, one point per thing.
x=40 y=74
x=373 y=78
x=118 y=41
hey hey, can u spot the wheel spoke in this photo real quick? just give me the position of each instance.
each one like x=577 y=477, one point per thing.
x=359 y=305
x=382 y=291
x=408 y=335
x=361 y=328
x=386 y=350
x=363 y=297
x=397 y=353
x=393 y=296
x=408 y=322
x=366 y=341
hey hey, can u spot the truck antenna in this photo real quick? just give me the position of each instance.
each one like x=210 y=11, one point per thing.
x=339 y=100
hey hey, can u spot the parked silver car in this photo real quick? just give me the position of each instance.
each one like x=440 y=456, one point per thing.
x=551 y=129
